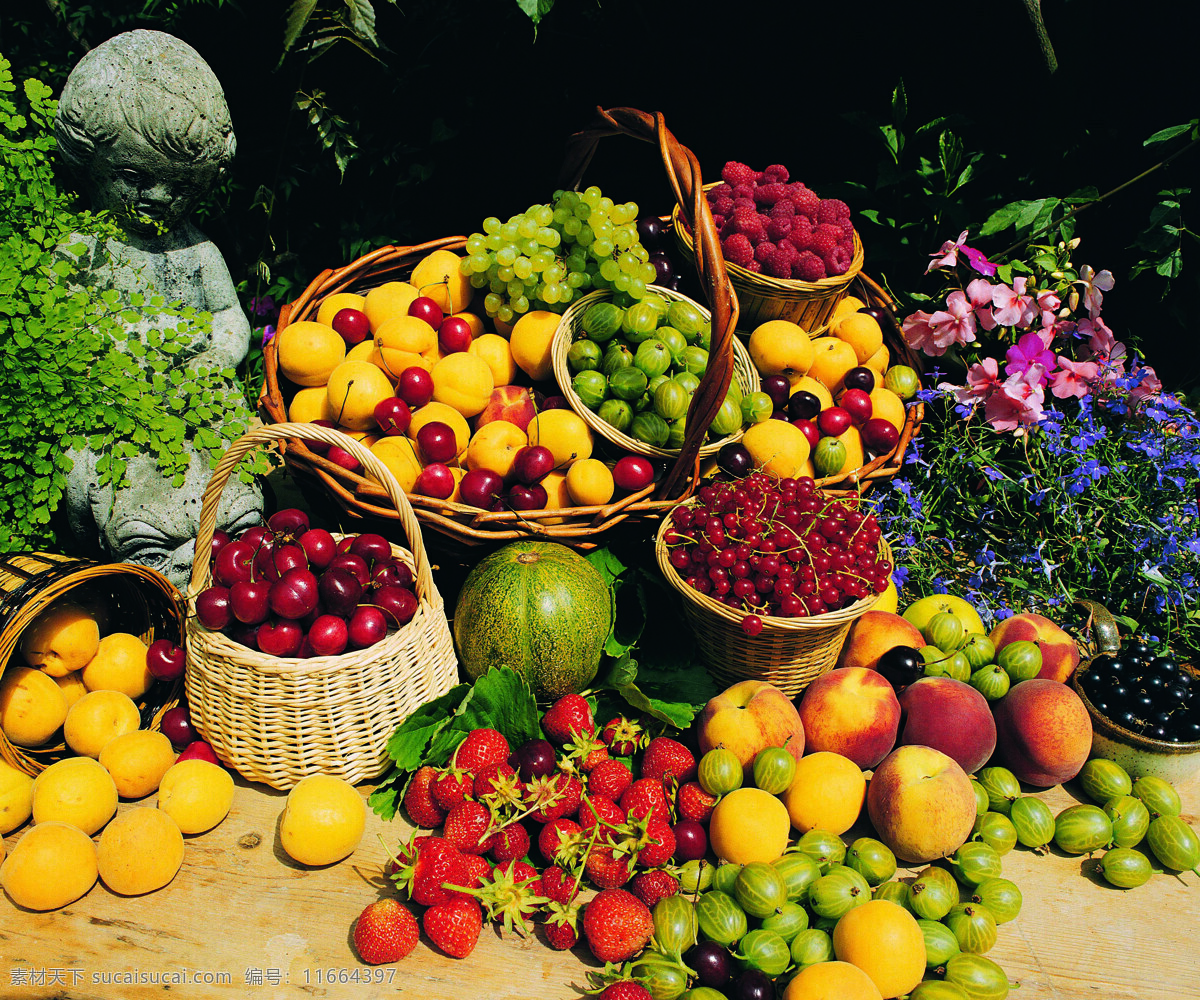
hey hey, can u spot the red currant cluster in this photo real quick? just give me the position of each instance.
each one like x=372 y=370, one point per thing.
x=778 y=547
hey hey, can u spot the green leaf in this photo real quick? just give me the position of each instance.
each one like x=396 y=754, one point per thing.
x=297 y=17
x=361 y=20
x=1002 y=218
x=408 y=742
x=535 y=10
x=1171 y=266
x=607 y=562
x=1166 y=134
x=502 y=700
x=622 y=677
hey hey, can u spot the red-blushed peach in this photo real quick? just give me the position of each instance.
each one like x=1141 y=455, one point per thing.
x=1060 y=655
x=949 y=716
x=748 y=717
x=851 y=711
x=508 y=402
x=1043 y=732
x=921 y=804
x=873 y=634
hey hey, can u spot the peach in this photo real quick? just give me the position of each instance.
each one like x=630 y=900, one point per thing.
x=851 y=437
x=464 y=382
x=565 y=434
x=400 y=456
x=886 y=405
x=921 y=804
x=392 y=362
x=438 y=276
x=777 y=447
x=1060 y=655
x=818 y=389
x=355 y=387
x=880 y=361
x=873 y=634
x=779 y=347
x=851 y=711
x=311 y=404
x=335 y=303
x=387 y=301
x=1043 y=732
x=495 y=447
x=827 y=793
x=861 y=332
x=495 y=351
x=531 y=341
x=831 y=360
x=309 y=352
x=508 y=402
x=748 y=717
x=406 y=333
x=949 y=716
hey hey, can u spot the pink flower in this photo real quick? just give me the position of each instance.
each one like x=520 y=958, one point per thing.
x=917 y=333
x=979 y=292
x=1018 y=401
x=1049 y=304
x=947 y=256
x=1012 y=306
x=982 y=378
x=1103 y=346
x=1095 y=285
x=953 y=325
x=1073 y=378
x=1030 y=351
x=1149 y=386
x=978 y=261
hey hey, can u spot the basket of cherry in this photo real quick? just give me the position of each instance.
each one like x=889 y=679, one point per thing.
x=306 y=649
x=773 y=572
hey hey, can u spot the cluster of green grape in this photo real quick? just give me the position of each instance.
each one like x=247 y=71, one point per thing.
x=549 y=255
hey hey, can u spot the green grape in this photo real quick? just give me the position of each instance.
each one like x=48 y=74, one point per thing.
x=494 y=241
x=491 y=225
x=561 y=216
x=543 y=215
x=591 y=196
x=497 y=286
x=549 y=293
x=504 y=314
x=605 y=204
x=542 y=260
x=478 y=280
x=582 y=210
x=576 y=279
x=566 y=294
x=475 y=243
x=477 y=263
x=648 y=273
x=506 y=255
x=528 y=247
x=602 y=248
x=628 y=263
x=491 y=303
x=527 y=227
x=520 y=304
x=522 y=267
x=602 y=228
x=510 y=231
x=572 y=226
x=637 y=288
x=548 y=237
x=515 y=288
x=621 y=282
x=623 y=239
x=586 y=237
x=506 y=274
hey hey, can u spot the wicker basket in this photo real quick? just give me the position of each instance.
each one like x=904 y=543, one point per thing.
x=809 y=304
x=134 y=598
x=572 y=321
x=277 y=720
x=789 y=652
x=579 y=527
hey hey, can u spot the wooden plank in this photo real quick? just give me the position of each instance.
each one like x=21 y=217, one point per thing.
x=242 y=919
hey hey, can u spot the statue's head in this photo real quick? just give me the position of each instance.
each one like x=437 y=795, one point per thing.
x=143 y=121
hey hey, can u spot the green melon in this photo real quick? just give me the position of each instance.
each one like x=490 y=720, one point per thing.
x=538 y=608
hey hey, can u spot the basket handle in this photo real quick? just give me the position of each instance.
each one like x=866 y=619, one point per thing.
x=683 y=171
x=425 y=586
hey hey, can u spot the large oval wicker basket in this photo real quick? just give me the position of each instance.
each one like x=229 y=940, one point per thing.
x=579 y=527
x=128 y=597
x=277 y=720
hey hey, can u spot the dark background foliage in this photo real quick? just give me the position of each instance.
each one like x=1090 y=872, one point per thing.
x=465 y=112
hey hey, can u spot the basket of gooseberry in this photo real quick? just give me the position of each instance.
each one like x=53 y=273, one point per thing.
x=773 y=572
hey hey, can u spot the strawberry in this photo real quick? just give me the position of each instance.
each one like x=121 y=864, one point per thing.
x=418 y=799
x=558 y=886
x=450 y=787
x=555 y=795
x=693 y=802
x=650 y=887
x=610 y=778
x=623 y=736
x=561 y=840
x=498 y=785
x=656 y=845
x=600 y=810
x=482 y=749
x=437 y=862
x=606 y=868
x=454 y=927
x=509 y=843
x=666 y=756
x=625 y=989
x=567 y=718
x=562 y=925
x=646 y=797
x=385 y=932
x=477 y=869
x=617 y=925
x=512 y=895
x=466 y=824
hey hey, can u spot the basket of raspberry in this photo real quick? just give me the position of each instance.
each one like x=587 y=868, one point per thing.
x=397 y=349
x=772 y=572
x=790 y=253
x=307 y=649
x=632 y=373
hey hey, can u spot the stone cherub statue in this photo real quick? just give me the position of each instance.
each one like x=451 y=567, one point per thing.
x=143 y=122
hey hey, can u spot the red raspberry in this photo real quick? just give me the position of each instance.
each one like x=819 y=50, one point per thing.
x=808 y=267
x=721 y=190
x=778 y=264
x=568 y=718
x=777 y=229
x=754 y=266
x=510 y=843
x=478 y=870
x=824 y=238
x=646 y=797
x=801 y=235
x=693 y=802
x=650 y=887
x=743 y=191
x=598 y=809
x=761 y=251
x=482 y=749
x=806 y=201
x=769 y=194
x=783 y=210
x=558 y=886
x=737 y=249
x=557 y=835
x=721 y=206
x=745 y=203
x=610 y=778
x=465 y=825
x=450 y=788
x=776 y=173
x=832 y=210
x=418 y=799
x=718 y=221
x=735 y=173
x=838 y=260
x=659 y=846
x=667 y=756
x=606 y=869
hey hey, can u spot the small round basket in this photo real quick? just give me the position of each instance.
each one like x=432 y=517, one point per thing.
x=569 y=326
x=789 y=653
x=124 y=597
x=277 y=720
x=809 y=304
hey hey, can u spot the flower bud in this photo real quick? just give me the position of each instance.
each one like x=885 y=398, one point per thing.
x=1073 y=299
x=1074 y=244
x=1056 y=275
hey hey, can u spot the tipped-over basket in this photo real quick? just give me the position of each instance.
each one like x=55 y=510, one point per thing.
x=277 y=720
x=127 y=597
x=789 y=653
x=744 y=372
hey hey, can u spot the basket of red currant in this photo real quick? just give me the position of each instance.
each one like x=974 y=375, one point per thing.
x=773 y=573
x=1145 y=711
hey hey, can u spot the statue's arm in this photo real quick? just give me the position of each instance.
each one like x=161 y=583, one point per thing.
x=230 y=338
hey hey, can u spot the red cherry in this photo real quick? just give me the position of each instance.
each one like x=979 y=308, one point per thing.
x=524 y=496
x=289 y=521
x=423 y=307
x=293 y=595
x=399 y=604
x=454 y=335
x=879 y=436
x=177 y=726
x=250 y=601
x=234 y=563
x=372 y=548
x=353 y=564
x=212 y=608
x=366 y=626
x=833 y=421
x=415 y=386
x=857 y=403
x=435 y=481
x=351 y=325
x=809 y=429
x=328 y=636
x=481 y=488
x=532 y=463
x=393 y=572
x=555 y=403
x=280 y=637
x=219 y=541
x=632 y=473
x=319 y=546
x=320 y=447
x=165 y=660
x=437 y=441
x=339 y=591
x=198 y=750
x=778 y=388
x=393 y=415
x=339 y=456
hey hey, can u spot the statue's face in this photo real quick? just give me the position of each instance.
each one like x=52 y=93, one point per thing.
x=148 y=191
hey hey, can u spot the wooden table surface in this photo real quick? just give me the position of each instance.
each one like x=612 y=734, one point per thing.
x=241 y=919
